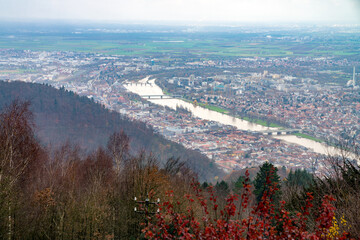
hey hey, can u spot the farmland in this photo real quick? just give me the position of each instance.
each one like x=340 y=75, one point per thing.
x=197 y=44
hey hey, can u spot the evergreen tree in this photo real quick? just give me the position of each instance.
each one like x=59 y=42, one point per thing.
x=239 y=184
x=267 y=170
x=300 y=178
x=222 y=188
x=205 y=185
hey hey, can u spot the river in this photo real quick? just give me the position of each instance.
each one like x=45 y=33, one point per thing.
x=148 y=87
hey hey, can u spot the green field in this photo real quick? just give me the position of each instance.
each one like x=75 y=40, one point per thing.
x=308 y=137
x=214 y=108
x=225 y=111
x=207 y=46
x=261 y=122
x=257 y=121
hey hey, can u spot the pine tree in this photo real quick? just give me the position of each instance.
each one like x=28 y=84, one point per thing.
x=299 y=178
x=267 y=170
x=238 y=185
x=222 y=188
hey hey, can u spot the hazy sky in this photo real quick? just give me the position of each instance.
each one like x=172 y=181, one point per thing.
x=334 y=11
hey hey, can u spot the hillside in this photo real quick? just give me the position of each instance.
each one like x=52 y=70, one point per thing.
x=71 y=194
x=61 y=116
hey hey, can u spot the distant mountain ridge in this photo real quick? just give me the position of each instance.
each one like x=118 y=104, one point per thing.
x=62 y=115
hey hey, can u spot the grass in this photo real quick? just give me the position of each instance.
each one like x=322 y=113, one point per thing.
x=257 y=121
x=225 y=111
x=214 y=108
x=207 y=106
x=17 y=71
x=225 y=46
x=308 y=137
x=165 y=91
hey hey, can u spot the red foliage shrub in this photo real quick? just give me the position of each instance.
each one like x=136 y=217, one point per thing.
x=264 y=222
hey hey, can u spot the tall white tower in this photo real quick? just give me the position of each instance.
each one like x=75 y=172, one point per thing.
x=354 y=80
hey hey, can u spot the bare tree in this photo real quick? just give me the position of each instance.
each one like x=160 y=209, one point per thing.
x=118 y=146
x=18 y=151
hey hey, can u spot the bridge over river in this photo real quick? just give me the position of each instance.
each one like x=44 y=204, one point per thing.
x=152 y=92
x=154 y=97
x=139 y=84
x=281 y=131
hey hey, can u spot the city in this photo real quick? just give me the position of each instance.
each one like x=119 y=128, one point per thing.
x=323 y=112
x=180 y=119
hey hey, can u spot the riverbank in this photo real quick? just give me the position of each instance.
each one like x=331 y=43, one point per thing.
x=256 y=121
x=262 y=122
x=225 y=116
x=253 y=120
x=303 y=135
x=214 y=108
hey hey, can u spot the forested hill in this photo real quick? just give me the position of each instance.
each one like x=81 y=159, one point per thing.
x=61 y=116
